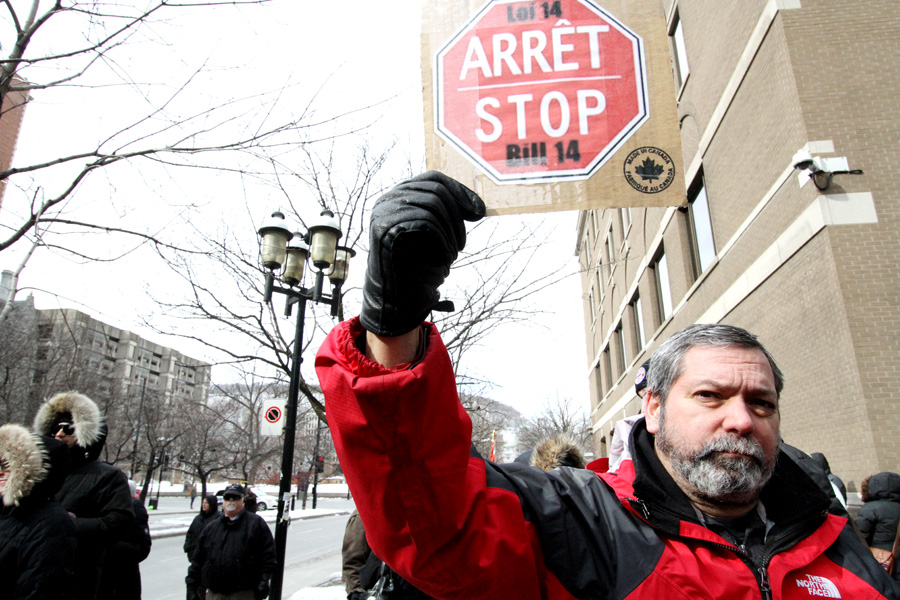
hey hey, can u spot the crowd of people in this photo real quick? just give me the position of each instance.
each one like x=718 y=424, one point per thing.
x=69 y=525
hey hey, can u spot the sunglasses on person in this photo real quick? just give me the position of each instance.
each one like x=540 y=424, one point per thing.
x=231 y=497
x=67 y=428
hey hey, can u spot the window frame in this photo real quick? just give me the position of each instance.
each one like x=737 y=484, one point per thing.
x=663 y=285
x=700 y=229
x=681 y=67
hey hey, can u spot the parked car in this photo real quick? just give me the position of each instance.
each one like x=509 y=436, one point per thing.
x=263 y=501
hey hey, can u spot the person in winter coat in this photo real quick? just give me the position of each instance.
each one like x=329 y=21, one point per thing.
x=120 y=577
x=235 y=554
x=362 y=569
x=209 y=508
x=37 y=537
x=554 y=451
x=94 y=493
x=879 y=515
x=838 y=488
x=707 y=506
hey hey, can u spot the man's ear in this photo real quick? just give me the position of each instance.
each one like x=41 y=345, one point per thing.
x=652 y=407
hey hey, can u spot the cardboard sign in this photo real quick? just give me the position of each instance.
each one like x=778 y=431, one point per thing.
x=558 y=105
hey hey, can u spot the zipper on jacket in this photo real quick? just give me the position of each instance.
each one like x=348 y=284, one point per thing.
x=762 y=581
x=764 y=586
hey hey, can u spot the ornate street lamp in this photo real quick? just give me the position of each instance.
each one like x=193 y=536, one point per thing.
x=279 y=247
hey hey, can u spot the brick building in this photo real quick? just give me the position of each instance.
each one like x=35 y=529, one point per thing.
x=758 y=244
x=11 y=114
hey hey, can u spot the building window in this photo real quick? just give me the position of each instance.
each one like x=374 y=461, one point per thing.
x=621 y=358
x=625 y=216
x=676 y=38
x=663 y=291
x=703 y=248
x=607 y=370
x=600 y=278
x=593 y=306
x=598 y=381
x=637 y=315
x=610 y=252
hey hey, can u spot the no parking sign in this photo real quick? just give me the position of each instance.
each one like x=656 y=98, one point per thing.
x=272 y=421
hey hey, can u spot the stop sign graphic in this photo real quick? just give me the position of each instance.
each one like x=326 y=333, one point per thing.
x=540 y=91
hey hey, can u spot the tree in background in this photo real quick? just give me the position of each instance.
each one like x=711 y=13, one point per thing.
x=157 y=121
x=557 y=415
x=489 y=416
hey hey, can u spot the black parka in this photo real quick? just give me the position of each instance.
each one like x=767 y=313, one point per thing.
x=95 y=492
x=880 y=514
x=37 y=537
x=232 y=555
x=199 y=523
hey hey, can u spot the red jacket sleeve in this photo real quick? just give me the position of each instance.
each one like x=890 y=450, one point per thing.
x=403 y=440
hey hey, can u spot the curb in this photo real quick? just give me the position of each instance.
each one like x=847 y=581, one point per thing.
x=182 y=530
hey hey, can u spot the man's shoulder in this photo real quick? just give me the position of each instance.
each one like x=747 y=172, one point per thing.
x=255 y=519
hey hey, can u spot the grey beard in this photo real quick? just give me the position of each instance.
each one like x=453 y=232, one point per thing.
x=230 y=506
x=717 y=478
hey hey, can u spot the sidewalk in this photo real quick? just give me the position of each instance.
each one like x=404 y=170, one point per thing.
x=179 y=520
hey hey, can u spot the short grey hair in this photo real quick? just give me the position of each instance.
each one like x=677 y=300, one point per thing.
x=666 y=362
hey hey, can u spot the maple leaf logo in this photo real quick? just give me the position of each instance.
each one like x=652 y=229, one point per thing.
x=649 y=170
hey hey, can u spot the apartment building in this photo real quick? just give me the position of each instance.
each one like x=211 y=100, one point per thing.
x=68 y=337
x=806 y=261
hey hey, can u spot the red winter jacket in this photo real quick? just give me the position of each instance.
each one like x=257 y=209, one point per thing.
x=458 y=526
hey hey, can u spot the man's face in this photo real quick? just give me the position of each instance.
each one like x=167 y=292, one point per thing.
x=232 y=503
x=65 y=432
x=4 y=475
x=718 y=434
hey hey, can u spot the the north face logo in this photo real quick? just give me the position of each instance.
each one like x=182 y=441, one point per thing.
x=819 y=586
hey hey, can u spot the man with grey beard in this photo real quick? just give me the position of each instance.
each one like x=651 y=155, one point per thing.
x=707 y=506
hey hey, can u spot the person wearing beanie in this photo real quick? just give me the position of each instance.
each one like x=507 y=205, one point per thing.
x=209 y=508
x=94 y=493
x=37 y=537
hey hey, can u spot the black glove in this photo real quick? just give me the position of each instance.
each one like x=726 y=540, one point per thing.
x=416 y=232
x=194 y=593
x=262 y=590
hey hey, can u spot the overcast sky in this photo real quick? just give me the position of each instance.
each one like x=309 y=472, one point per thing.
x=338 y=55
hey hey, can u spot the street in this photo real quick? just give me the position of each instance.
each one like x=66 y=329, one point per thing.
x=312 y=557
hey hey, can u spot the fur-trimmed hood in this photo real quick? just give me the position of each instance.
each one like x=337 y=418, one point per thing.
x=559 y=450
x=89 y=427
x=37 y=465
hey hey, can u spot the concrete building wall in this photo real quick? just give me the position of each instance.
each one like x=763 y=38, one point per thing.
x=811 y=271
x=124 y=356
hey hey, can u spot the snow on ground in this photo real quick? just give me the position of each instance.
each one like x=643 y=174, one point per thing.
x=335 y=592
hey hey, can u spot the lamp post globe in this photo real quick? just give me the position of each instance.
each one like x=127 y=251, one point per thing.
x=338 y=272
x=295 y=263
x=323 y=238
x=275 y=236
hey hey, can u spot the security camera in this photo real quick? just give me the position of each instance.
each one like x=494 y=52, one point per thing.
x=802 y=160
